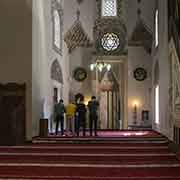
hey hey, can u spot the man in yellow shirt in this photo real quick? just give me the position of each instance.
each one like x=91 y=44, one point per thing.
x=70 y=115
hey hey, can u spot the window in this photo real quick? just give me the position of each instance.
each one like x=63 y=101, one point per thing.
x=156 y=28
x=55 y=95
x=109 y=7
x=157 y=104
x=57 y=29
x=110 y=41
x=57 y=25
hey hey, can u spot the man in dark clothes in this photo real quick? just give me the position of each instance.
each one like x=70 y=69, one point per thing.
x=93 y=114
x=80 y=117
x=59 y=112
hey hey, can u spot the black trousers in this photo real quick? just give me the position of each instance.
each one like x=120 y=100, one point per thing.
x=60 y=119
x=80 y=121
x=93 y=118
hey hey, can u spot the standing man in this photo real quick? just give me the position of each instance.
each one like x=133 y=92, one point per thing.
x=93 y=114
x=70 y=114
x=81 y=117
x=59 y=111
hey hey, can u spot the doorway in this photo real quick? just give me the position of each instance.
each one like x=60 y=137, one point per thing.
x=110 y=90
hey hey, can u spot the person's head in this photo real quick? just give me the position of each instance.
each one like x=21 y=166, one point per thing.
x=61 y=101
x=81 y=100
x=93 y=98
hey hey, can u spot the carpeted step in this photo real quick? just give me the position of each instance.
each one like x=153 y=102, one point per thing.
x=125 y=136
x=101 y=143
x=88 y=158
x=108 y=178
x=98 y=149
x=57 y=171
x=100 y=140
x=96 y=178
x=122 y=155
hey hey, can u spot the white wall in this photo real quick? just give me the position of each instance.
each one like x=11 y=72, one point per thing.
x=43 y=57
x=16 y=48
x=139 y=91
x=87 y=15
x=147 y=14
x=21 y=31
x=80 y=57
x=38 y=65
x=138 y=57
x=161 y=55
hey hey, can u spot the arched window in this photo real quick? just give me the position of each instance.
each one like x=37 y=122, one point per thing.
x=156 y=27
x=156 y=92
x=109 y=8
x=57 y=29
x=57 y=25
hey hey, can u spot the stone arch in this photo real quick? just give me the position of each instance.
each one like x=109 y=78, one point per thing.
x=56 y=72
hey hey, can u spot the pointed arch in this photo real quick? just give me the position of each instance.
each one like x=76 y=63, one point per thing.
x=56 y=72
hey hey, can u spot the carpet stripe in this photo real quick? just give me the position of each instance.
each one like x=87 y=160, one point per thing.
x=88 y=177
x=85 y=154
x=103 y=142
x=88 y=165
x=83 y=147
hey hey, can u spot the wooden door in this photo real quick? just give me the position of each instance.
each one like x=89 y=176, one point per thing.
x=12 y=114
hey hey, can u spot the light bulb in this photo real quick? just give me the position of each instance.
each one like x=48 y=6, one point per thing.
x=108 y=67
x=100 y=67
x=92 y=67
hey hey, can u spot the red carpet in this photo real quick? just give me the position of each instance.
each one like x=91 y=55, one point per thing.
x=88 y=171
x=104 y=136
x=87 y=149
x=132 y=157
x=118 y=134
x=89 y=158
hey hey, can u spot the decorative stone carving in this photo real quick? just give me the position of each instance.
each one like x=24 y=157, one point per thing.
x=56 y=72
x=80 y=74
x=76 y=36
x=142 y=35
x=119 y=8
x=140 y=74
x=109 y=25
x=57 y=21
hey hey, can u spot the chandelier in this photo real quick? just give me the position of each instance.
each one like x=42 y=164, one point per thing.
x=100 y=66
